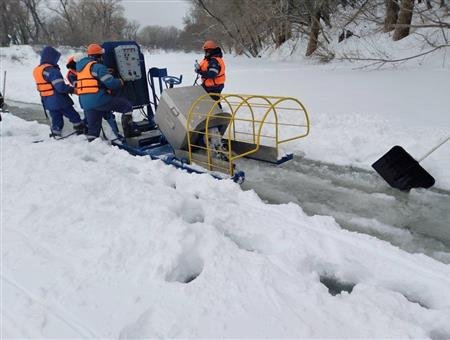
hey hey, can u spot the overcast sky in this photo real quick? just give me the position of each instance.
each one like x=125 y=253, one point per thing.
x=156 y=12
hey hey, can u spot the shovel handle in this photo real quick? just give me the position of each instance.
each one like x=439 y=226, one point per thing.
x=196 y=79
x=433 y=149
x=4 y=85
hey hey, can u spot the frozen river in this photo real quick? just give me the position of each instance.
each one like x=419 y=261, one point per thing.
x=358 y=199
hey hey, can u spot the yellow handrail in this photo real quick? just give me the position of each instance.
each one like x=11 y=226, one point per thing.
x=251 y=114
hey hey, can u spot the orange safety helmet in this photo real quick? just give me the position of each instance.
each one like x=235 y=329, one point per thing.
x=95 y=49
x=209 y=45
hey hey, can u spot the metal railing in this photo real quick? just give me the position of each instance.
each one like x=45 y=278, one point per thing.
x=254 y=119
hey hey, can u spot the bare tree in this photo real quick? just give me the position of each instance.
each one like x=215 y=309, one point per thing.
x=39 y=26
x=130 y=30
x=392 y=9
x=159 y=37
x=282 y=27
x=403 y=24
x=253 y=24
x=218 y=12
x=315 y=11
x=80 y=22
x=16 y=23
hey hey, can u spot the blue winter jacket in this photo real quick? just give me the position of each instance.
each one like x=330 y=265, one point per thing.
x=60 y=99
x=91 y=101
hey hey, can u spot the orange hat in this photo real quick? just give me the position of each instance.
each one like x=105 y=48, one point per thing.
x=94 y=49
x=209 y=45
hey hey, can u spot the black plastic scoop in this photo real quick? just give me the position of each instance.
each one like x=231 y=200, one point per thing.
x=401 y=171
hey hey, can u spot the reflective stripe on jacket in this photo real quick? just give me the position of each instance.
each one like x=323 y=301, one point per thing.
x=86 y=82
x=217 y=80
x=44 y=87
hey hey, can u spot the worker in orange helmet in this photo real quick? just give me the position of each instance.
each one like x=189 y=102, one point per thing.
x=212 y=69
x=94 y=86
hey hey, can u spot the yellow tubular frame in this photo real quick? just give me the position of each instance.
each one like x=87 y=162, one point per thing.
x=235 y=103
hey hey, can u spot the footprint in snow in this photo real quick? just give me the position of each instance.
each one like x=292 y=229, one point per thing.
x=189 y=266
x=88 y=158
x=191 y=212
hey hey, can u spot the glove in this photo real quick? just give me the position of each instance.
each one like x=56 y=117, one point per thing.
x=71 y=89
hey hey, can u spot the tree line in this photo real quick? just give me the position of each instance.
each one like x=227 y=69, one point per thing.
x=245 y=27
x=250 y=26
x=77 y=23
x=63 y=22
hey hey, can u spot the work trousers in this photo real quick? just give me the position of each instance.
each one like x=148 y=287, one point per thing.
x=94 y=116
x=58 y=120
x=214 y=89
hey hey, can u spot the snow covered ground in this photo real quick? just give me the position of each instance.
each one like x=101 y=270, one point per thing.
x=96 y=243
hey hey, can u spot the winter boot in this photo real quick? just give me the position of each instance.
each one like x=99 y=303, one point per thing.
x=79 y=128
x=55 y=133
x=91 y=138
x=127 y=126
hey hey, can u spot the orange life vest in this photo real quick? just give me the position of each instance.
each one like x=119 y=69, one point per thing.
x=86 y=83
x=219 y=79
x=44 y=87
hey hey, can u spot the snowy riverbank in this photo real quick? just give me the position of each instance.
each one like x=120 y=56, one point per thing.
x=85 y=258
